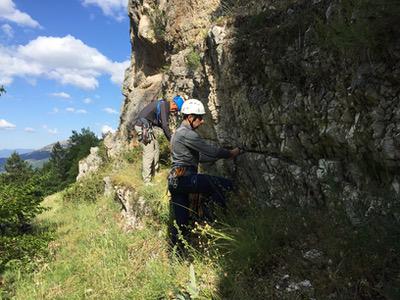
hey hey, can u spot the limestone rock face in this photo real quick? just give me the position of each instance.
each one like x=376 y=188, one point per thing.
x=114 y=145
x=90 y=164
x=134 y=208
x=318 y=122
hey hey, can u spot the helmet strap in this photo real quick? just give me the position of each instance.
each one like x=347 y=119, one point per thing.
x=191 y=121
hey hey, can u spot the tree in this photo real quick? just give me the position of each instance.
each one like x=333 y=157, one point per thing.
x=20 y=192
x=80 y=144
x=17 y=170
x=59 y=164
x=2 y=90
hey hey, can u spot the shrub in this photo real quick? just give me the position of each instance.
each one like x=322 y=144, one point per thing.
x=86 y=190
x=133 y=155
x=165 y=157
x=20 y=199
x=193 y=60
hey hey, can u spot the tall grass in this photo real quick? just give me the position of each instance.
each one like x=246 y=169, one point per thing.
x=249 y=253
x=92 y=257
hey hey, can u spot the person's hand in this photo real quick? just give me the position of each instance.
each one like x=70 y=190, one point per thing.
x=234 y=152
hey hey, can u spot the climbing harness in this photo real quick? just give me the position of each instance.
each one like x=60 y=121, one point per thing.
x=146 y=134
x=174 y=174
x=196 y=201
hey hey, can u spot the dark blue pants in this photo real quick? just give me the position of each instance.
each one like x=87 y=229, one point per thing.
x=213 y=186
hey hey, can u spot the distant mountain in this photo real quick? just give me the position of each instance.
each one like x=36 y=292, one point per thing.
x=35 y=157
x=8 y=152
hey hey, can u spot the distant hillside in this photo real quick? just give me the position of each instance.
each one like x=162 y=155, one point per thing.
x=35 y=157
x=7 y=152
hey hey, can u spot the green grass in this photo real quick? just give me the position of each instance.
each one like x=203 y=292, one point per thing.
x=243 y=255
x=92 y=257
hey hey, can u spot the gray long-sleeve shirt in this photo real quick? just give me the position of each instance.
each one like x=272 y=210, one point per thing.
x=189 y=148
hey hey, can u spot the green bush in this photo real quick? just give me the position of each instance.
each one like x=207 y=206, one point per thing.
x=86 y=190
x=133 y=155
x=165 y=152
x=22 y=248
x=193 y=60
x=21 y=193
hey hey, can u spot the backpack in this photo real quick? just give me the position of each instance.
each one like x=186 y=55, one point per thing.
x=158 y=110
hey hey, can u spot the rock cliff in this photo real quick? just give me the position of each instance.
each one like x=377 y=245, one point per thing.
x=310 y=89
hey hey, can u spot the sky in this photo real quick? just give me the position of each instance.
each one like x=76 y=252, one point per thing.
x=62 y=63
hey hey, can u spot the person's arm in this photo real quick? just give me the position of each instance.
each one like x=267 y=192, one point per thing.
x=207 y=151
x=165 y=119
x=206 y=159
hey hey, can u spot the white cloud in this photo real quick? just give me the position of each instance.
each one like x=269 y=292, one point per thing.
x=53 y=131
x=9 y=12
x=87 y=100
x=74 y=110
x=29 y=129
x=118 y=72
x=105 y=129
x=6 y=125
x=116 y=9
x=7 y=29
x=65 y=59
x=61 y=95
x=110 y=110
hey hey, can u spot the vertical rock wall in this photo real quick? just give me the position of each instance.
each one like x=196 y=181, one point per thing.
x=319 y=118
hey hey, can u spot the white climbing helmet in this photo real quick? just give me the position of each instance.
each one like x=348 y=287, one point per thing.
x=193 y=107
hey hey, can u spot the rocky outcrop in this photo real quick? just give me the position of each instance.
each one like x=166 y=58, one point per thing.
x=317 y=112
x=90 y=164
x=133 y=207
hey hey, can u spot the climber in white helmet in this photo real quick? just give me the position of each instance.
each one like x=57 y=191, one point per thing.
x=188 y=149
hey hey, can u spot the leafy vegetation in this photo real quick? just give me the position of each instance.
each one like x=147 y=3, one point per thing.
x=87 y=189
x=193 y=60
x=80 y=144
x=2 y=90
x=22 y=190
x=21 y=193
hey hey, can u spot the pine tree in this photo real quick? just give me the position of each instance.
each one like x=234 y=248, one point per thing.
x=17 y=170
x=59 y=165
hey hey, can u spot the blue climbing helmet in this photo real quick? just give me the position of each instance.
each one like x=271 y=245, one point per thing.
x=178 y=100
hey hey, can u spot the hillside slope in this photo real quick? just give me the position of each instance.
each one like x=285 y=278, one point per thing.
x=268 y=253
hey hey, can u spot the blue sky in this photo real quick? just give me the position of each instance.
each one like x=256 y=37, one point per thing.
x=62 y=63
